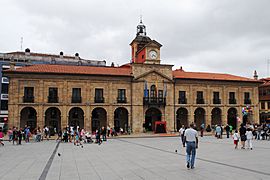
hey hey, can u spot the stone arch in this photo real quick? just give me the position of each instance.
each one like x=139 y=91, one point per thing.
x=232 y=117
x=121 y=119
x=199 y=117
x=76 y=117
x=216 y=116
x=28 y=116
x=181 y=118
x=53 y=118
x=99 y=118
x=151 y=116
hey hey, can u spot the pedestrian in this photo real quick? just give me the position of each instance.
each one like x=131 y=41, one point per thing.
x=15 y=135
x=236 y=139
x=231 y=128
x=1 y=136
x=103 y=133
x=27 y=134
x=181 y=134
x=191 y=140
x=20 y=135
x=218 y=132
x=98 y=138
x=59 y=137
x=227 y=129
x=38 y=137
x=202 y=129
x=10 y=134
x=249 y=136
x=243 y=137
x=108 y=130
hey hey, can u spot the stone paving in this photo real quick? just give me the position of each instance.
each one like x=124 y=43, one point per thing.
x=134 y=158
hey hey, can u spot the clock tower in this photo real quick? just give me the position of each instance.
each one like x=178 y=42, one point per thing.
x=143 y=49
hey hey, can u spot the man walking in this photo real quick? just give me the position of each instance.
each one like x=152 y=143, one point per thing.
x=191 y=140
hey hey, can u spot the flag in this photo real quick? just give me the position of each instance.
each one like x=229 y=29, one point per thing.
x=145 y=89
x=156 y=89
x=165 y=90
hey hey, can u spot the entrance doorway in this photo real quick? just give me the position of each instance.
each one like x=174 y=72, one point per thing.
x=216 y=117
x=29 y=118
x=181 y=118
x=53 y=118
x=99 y=118
x=151 y=116
x=232 y=117
x=121 y=119
x=76 y=117
x=199 y=117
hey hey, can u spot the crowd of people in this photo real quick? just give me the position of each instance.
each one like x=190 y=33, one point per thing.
x=71 y=134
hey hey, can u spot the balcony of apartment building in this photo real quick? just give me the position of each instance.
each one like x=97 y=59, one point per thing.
x=53 y=99
x=154 y=101
x=99 y=99
x=200 y=101
x=182 y=100
x=76 y=99
x=232 y=101
x=28 y=99
x=216 y=101
x=247 y=101
x=121 y=99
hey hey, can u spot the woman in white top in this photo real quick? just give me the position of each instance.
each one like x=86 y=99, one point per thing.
x=249 y=138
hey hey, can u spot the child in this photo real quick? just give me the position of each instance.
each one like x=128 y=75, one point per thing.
x=249 y=138
x=1 y=136
x=236 y=139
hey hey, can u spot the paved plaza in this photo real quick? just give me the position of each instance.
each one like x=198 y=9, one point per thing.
x=133 y=158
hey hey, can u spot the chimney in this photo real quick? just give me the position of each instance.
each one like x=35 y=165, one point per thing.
x=27 y=51
x=77 y=56
x=255 y=76
x=61 y=54
x=112 y=65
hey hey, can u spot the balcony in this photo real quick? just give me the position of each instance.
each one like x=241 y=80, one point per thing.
x=76 y=99
x=216 y=101
x=52 y=99
x=122 y=100
x=247 y=101
x=28 y=99
x=182 y=100
x=154 y=101
x=200 y=101
x=99 y=99
x=232 y=101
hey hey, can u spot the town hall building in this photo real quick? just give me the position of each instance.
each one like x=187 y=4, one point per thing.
x=142 y=95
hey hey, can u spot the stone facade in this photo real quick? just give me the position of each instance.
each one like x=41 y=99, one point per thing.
x=139 y=96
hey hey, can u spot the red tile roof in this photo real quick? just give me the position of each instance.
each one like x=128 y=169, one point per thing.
x=66 y=69
x=180 y=74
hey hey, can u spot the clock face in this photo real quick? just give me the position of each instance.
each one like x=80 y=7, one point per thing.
x=153 y=54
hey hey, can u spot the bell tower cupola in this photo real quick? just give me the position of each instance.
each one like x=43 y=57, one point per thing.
x=143 y=49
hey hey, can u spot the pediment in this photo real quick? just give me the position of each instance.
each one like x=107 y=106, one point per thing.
x=153 y=75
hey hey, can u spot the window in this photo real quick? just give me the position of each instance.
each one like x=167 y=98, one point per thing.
x=99 y=95
x=200 y=99
x=247 y=98
x=53 y=95
x=232 y=95
x=76 y=95
x=268 y=105
x=4 y=105
x=4 y=89
x=160 y=93
x=28 y=94
x=232 y=99
x=263 y=105
x=216 y=99
x=153 y=91
x=121 y=96
x=182 y=97
x=199 y=95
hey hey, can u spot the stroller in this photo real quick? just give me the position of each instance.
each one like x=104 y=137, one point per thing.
x=88 y=138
